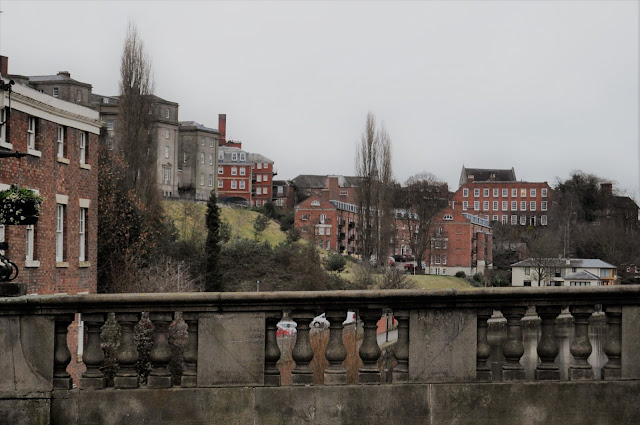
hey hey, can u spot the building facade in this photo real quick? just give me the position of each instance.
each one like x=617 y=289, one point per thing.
x=197 y=160
x=59 y=253
x=284 y=194
x=497 y=196
x=563 y=272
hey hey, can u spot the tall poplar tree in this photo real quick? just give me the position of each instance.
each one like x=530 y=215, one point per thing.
x=213 y=277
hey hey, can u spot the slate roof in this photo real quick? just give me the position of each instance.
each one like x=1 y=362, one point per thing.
x=582 y=275
x=198 y=126
x=587 y=263
x=319 y=181
x=484 y=174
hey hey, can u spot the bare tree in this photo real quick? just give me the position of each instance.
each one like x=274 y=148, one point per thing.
x=135 y=118
x=375 y=191
x=422 y=198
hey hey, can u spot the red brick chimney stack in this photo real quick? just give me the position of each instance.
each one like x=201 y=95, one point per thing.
x=222 y=128
x=4 y=65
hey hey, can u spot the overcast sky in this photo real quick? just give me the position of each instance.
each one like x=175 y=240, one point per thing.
x=544 y=87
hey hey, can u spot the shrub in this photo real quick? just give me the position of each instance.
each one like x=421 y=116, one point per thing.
x=395 y=279
x=335 y=262
x=477 y=277
x=363 y=277
x=460 y=274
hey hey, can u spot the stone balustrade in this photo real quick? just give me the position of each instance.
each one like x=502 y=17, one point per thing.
x=231 y=342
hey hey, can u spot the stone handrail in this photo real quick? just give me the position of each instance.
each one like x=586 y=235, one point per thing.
x=442 y=335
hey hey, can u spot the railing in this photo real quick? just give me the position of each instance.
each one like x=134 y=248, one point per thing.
x=442 y=335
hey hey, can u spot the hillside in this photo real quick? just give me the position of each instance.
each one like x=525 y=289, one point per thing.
x=189 y=219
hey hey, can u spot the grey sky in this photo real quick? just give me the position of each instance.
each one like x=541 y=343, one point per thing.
x=545 y=87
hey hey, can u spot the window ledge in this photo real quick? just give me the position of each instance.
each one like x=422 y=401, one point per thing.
x=31 y=263
x=62 y=264
x=84 y=264
x=6 y=145
x=85 y=166
x=34 y=152
x=63 y=160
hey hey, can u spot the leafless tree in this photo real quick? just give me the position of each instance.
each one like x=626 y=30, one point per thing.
x=375 y=191
x=135 y=130
x=422 y=198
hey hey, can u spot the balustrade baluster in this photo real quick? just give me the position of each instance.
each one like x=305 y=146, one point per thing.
x=271 y=352
x=62 y=355
x=336 y=352
x=93 y=356
x=127 y=354
x=483 y=371
x=302 y=352
x=160 y=354
x=613 y=347
x=401 y=372
x=190 y=374
x=580 y=347
x=548 y=348
x=513 y=349
x=369 y=350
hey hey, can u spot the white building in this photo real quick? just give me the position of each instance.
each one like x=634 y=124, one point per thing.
x=562 y=272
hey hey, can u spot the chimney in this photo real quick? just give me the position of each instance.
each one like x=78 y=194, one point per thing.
x=4 y=65
x=470 y=178
x=65 y=74
x=222 y=128
x=606 y=188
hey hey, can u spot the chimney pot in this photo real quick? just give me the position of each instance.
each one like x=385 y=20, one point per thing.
x=65 y=74
x=4 y=65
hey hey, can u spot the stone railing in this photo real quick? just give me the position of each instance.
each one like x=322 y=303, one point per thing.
x=442 y=337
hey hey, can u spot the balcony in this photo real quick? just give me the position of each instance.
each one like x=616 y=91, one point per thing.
x=438 y=372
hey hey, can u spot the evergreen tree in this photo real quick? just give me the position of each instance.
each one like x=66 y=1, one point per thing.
x=213 y=277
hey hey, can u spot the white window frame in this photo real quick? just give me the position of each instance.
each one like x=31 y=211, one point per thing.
x=166 y=133
x=485 y=206
x=83 y=147
x=543 y=192
x=210 y=179
x=166 y=151
x=259 y=166
x=485 y=192
x=168 y=114
x=265 y=190
x=243 y=171
x=514 y=205
x=259 y=178
x=258 y=190
x=505 y=219
x=220 y=170
x=234 y=171
x=221 y=156
x=60 y=233
x=234 y=156
x=165 y=174
x=60 y=141
x=505 y=192
x=514 y=192
x=505 y=205
x=543 y=205
x=543 y=220
x=496 y=192
x=476 y=205
x=210 y=143
x=532 y=192
x=234 y=184
x=495 y=205
x=243 y=184
x=30 y=243
x=55 y=92
x=210 y=159
x=523 y=205
x=465 y=205
x=201 y=157
x=109 y=125
x=523 y=193
x=243 y=156
x=465 y=192
x=514 y=219
x=82 y=223
x=203 y=143
x=2 y=229
x=31 y=132
x=201 y=179
x=220 y=184
x=523 y=220
x=476 y=193
x=532 y=206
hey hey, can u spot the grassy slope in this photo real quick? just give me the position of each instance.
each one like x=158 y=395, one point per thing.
x=423 y=281
x=189 y=219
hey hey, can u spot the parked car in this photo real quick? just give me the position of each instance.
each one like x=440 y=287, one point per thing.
x=286 y=328
x=410 y=267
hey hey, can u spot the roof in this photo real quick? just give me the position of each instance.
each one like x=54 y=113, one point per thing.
x=581 y=275
x=587 y=263
x=319 y=181
x=197 y=126
x=256 y=157
x=487 y=174
x=62 y=77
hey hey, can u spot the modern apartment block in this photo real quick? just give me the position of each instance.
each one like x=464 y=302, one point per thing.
x=60 y=139
x=497 y=196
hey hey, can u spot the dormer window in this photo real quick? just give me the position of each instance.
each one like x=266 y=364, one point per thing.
x=243 y=157
x=315 y=203
x=448 y=217
x=55 y=92
x=234 y=156
x=220 y=156
x=168 y=115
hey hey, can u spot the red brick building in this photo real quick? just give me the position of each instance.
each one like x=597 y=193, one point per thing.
x=243 y=178
x=497 y=196
x=58 y=254
x=459 y=242
x=284 y=194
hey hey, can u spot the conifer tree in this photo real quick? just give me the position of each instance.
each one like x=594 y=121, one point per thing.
x=213 y=277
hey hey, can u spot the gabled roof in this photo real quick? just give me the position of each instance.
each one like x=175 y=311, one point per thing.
x=587 y=263
x=487 y=174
